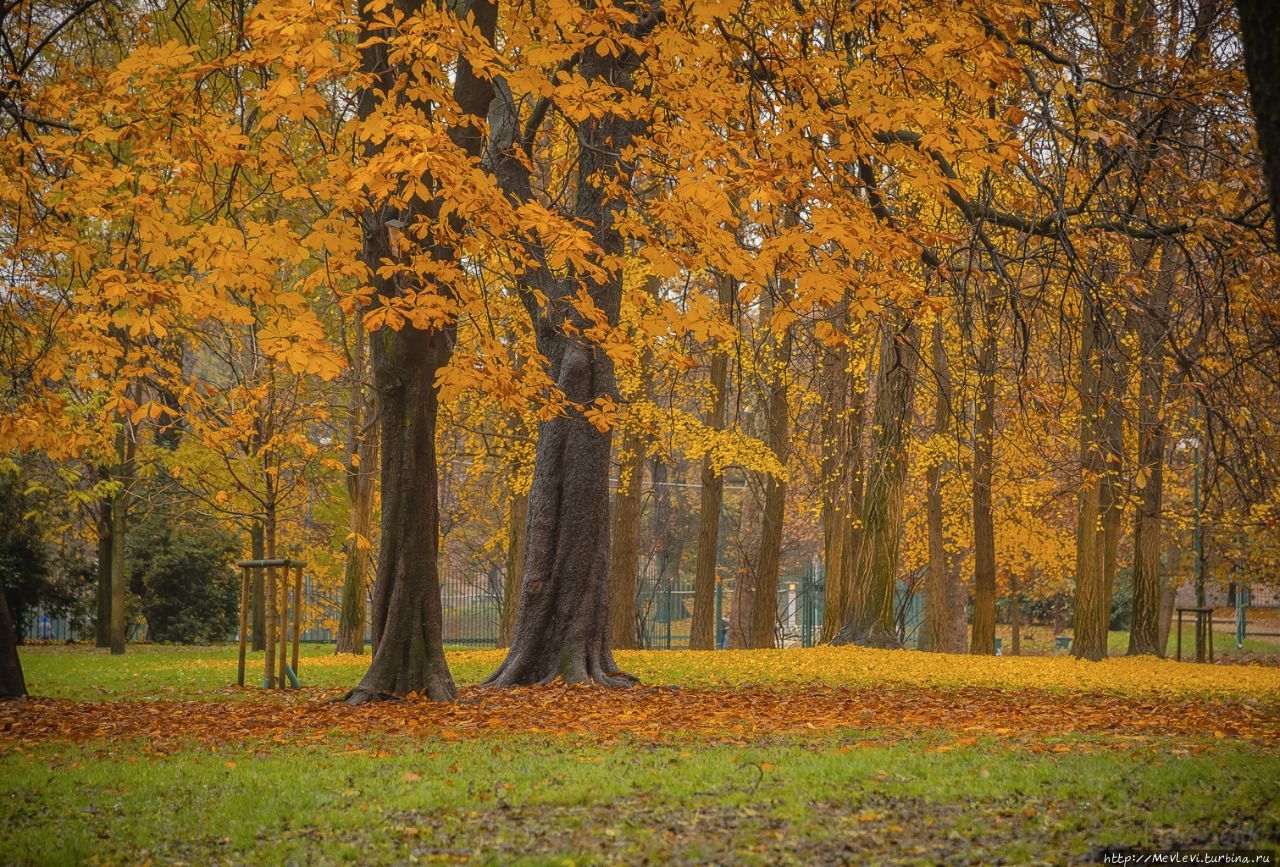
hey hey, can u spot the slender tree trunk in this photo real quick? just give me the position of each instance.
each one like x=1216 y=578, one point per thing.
x=983 y=641
x=1015 y=613
x=738 y=635
x=119 y=514
x=945 y=609
x=624 y=566
x=271 y=590
x=837 y=519
x=702 y=632
x=1144 y=630
x=258 y=586
x=102 y=625
x=517 y=515
x=870 y=620
x=12 y=683
x=1091 y=614
x=362 y=452
x=764 y=610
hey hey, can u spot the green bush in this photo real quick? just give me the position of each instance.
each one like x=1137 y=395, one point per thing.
x=182 y=574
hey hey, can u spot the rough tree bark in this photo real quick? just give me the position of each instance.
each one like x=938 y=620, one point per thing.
x=408 y=652
x=362 y=453
x=1260 y=32
x=562 y=622
x=946 y=616
x=738 y=633
x=838 y=519
x=702 y=631
x=125 y=447
x=12 y=683
x=870 y=620
x=983 y=636
x=624 y=565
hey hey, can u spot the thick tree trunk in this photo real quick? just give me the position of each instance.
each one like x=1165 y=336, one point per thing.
x=12 y=683
x=702 y=632
x=408 y=645
x=119 y=511
x=1015 y=613
x=764 y=610
x=362 y=452
x=870 y=620
x=838 y=519
x=1144 y=629
x=258 y=586
x=102 y=625
x=1260 y=32
x=624 y=566
x=562 y=622
x=983 y=640
x=517 y=515
x=946 y=611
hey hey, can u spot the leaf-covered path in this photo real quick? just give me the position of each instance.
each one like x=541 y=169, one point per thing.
x=645 y=712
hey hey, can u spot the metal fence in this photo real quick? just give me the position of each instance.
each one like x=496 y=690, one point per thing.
x=473 y=606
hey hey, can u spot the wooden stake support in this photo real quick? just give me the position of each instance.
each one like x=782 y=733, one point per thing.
x=278 y=620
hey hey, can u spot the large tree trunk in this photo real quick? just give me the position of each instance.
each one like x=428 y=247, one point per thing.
x=1144 y=629
x=702 y=632
x=983 y=636
x=119 y=516
x=838 y=520
x=562 y=623
x=870 y=620
x=102 y=625
x=12 y=683
x=624 y=566
x=517 y=515
x=408 y=647
x=362 y=452
x=1260 y=32
x=946 y=615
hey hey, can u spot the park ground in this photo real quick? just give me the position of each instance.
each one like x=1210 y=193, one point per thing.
x=827 y=755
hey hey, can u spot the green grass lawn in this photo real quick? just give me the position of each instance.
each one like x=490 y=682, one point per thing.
x=854 y=795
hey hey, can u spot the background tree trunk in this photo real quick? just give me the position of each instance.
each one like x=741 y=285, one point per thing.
x=362 y=453
x=870 y=620
x=983 y=640
x=1144 y=629
x=1091 y=614
x=946 y=614
x=764 y=608
x=624 y=565
x=12 y=683
x=517 y=515
x=102 y=625
x=738 y=633
x=702 y=631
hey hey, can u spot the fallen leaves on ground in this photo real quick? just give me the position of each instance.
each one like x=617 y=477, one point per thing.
x=645 y=712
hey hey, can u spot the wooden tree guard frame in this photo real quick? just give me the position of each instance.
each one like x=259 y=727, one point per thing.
x=278 y=622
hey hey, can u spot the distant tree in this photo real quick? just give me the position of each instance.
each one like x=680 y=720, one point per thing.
x=24 y=557
x=182 y=575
